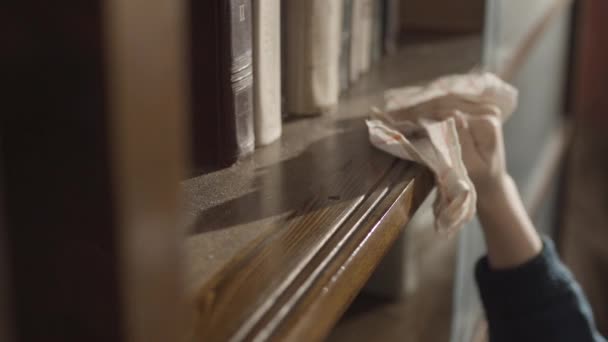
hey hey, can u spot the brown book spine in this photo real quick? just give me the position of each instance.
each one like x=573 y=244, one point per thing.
x=222 y=81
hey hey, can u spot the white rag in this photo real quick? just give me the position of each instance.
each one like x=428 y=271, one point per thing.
x=408 y=128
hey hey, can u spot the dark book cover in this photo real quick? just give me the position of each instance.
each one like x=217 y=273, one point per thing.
x=347 y=15
x=222 y=82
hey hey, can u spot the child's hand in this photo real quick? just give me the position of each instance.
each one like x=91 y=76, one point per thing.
x=510 y=236
x=483 y=150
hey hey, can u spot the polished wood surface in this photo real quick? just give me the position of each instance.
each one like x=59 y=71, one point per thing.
x=280 y=243
x=303 y=275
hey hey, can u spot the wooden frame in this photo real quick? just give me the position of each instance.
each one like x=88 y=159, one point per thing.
x=147 y=95
x=92 y=155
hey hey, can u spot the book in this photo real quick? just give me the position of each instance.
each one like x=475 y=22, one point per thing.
x=347 y=11
x=267 y=70
x=361 y=30
x=377 y=44
x=312 y=55
x=391 y=25
x=222 y=82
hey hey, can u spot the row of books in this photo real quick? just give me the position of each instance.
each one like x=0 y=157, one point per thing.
x=254 y=60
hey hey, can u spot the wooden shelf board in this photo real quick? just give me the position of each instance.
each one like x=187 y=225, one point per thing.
x=279 y=244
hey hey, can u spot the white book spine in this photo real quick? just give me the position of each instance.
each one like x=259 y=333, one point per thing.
x=267 y=70
x=312 y=55
x=361 y=41
x=366 y=35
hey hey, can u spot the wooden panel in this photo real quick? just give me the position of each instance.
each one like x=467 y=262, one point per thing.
x=91 y=131
x=58 y=191
x=6 y=319
x=364 y=247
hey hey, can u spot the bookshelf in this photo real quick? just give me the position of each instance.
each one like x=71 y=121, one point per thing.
x=281 y=242
x=275 y=246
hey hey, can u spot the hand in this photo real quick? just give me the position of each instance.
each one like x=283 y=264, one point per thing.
x=483 y=150
x=509 y=233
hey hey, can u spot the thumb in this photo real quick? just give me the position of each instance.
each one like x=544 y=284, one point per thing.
x=486 y=133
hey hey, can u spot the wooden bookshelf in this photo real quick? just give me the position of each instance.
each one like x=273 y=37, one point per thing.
x=275 y=247
x=279 y=244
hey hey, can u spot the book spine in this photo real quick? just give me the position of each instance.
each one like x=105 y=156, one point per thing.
x=361 y=44
x=267 y=70
x=238 y=124
x=222 y=82
x=347 y=12
x=312 y=54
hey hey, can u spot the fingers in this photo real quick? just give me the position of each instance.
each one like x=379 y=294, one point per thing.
x=486 y=132
x=442 y=107
x=470 y=155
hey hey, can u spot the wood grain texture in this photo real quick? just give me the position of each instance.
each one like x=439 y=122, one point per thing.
x=57 y=188
x=298 y=281
x=366 y=245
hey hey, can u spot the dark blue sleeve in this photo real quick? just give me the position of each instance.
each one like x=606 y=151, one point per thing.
x=537 y=301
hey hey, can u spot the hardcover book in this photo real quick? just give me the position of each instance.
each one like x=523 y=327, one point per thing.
x=267 y=70
x=222 y=82
x=312 y=55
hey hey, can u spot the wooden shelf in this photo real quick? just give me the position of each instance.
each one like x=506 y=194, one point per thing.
x=279 y=244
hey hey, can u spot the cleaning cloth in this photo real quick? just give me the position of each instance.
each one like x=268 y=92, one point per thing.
x=417 y=123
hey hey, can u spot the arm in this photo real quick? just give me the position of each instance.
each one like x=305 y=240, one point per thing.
x=527 y=293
